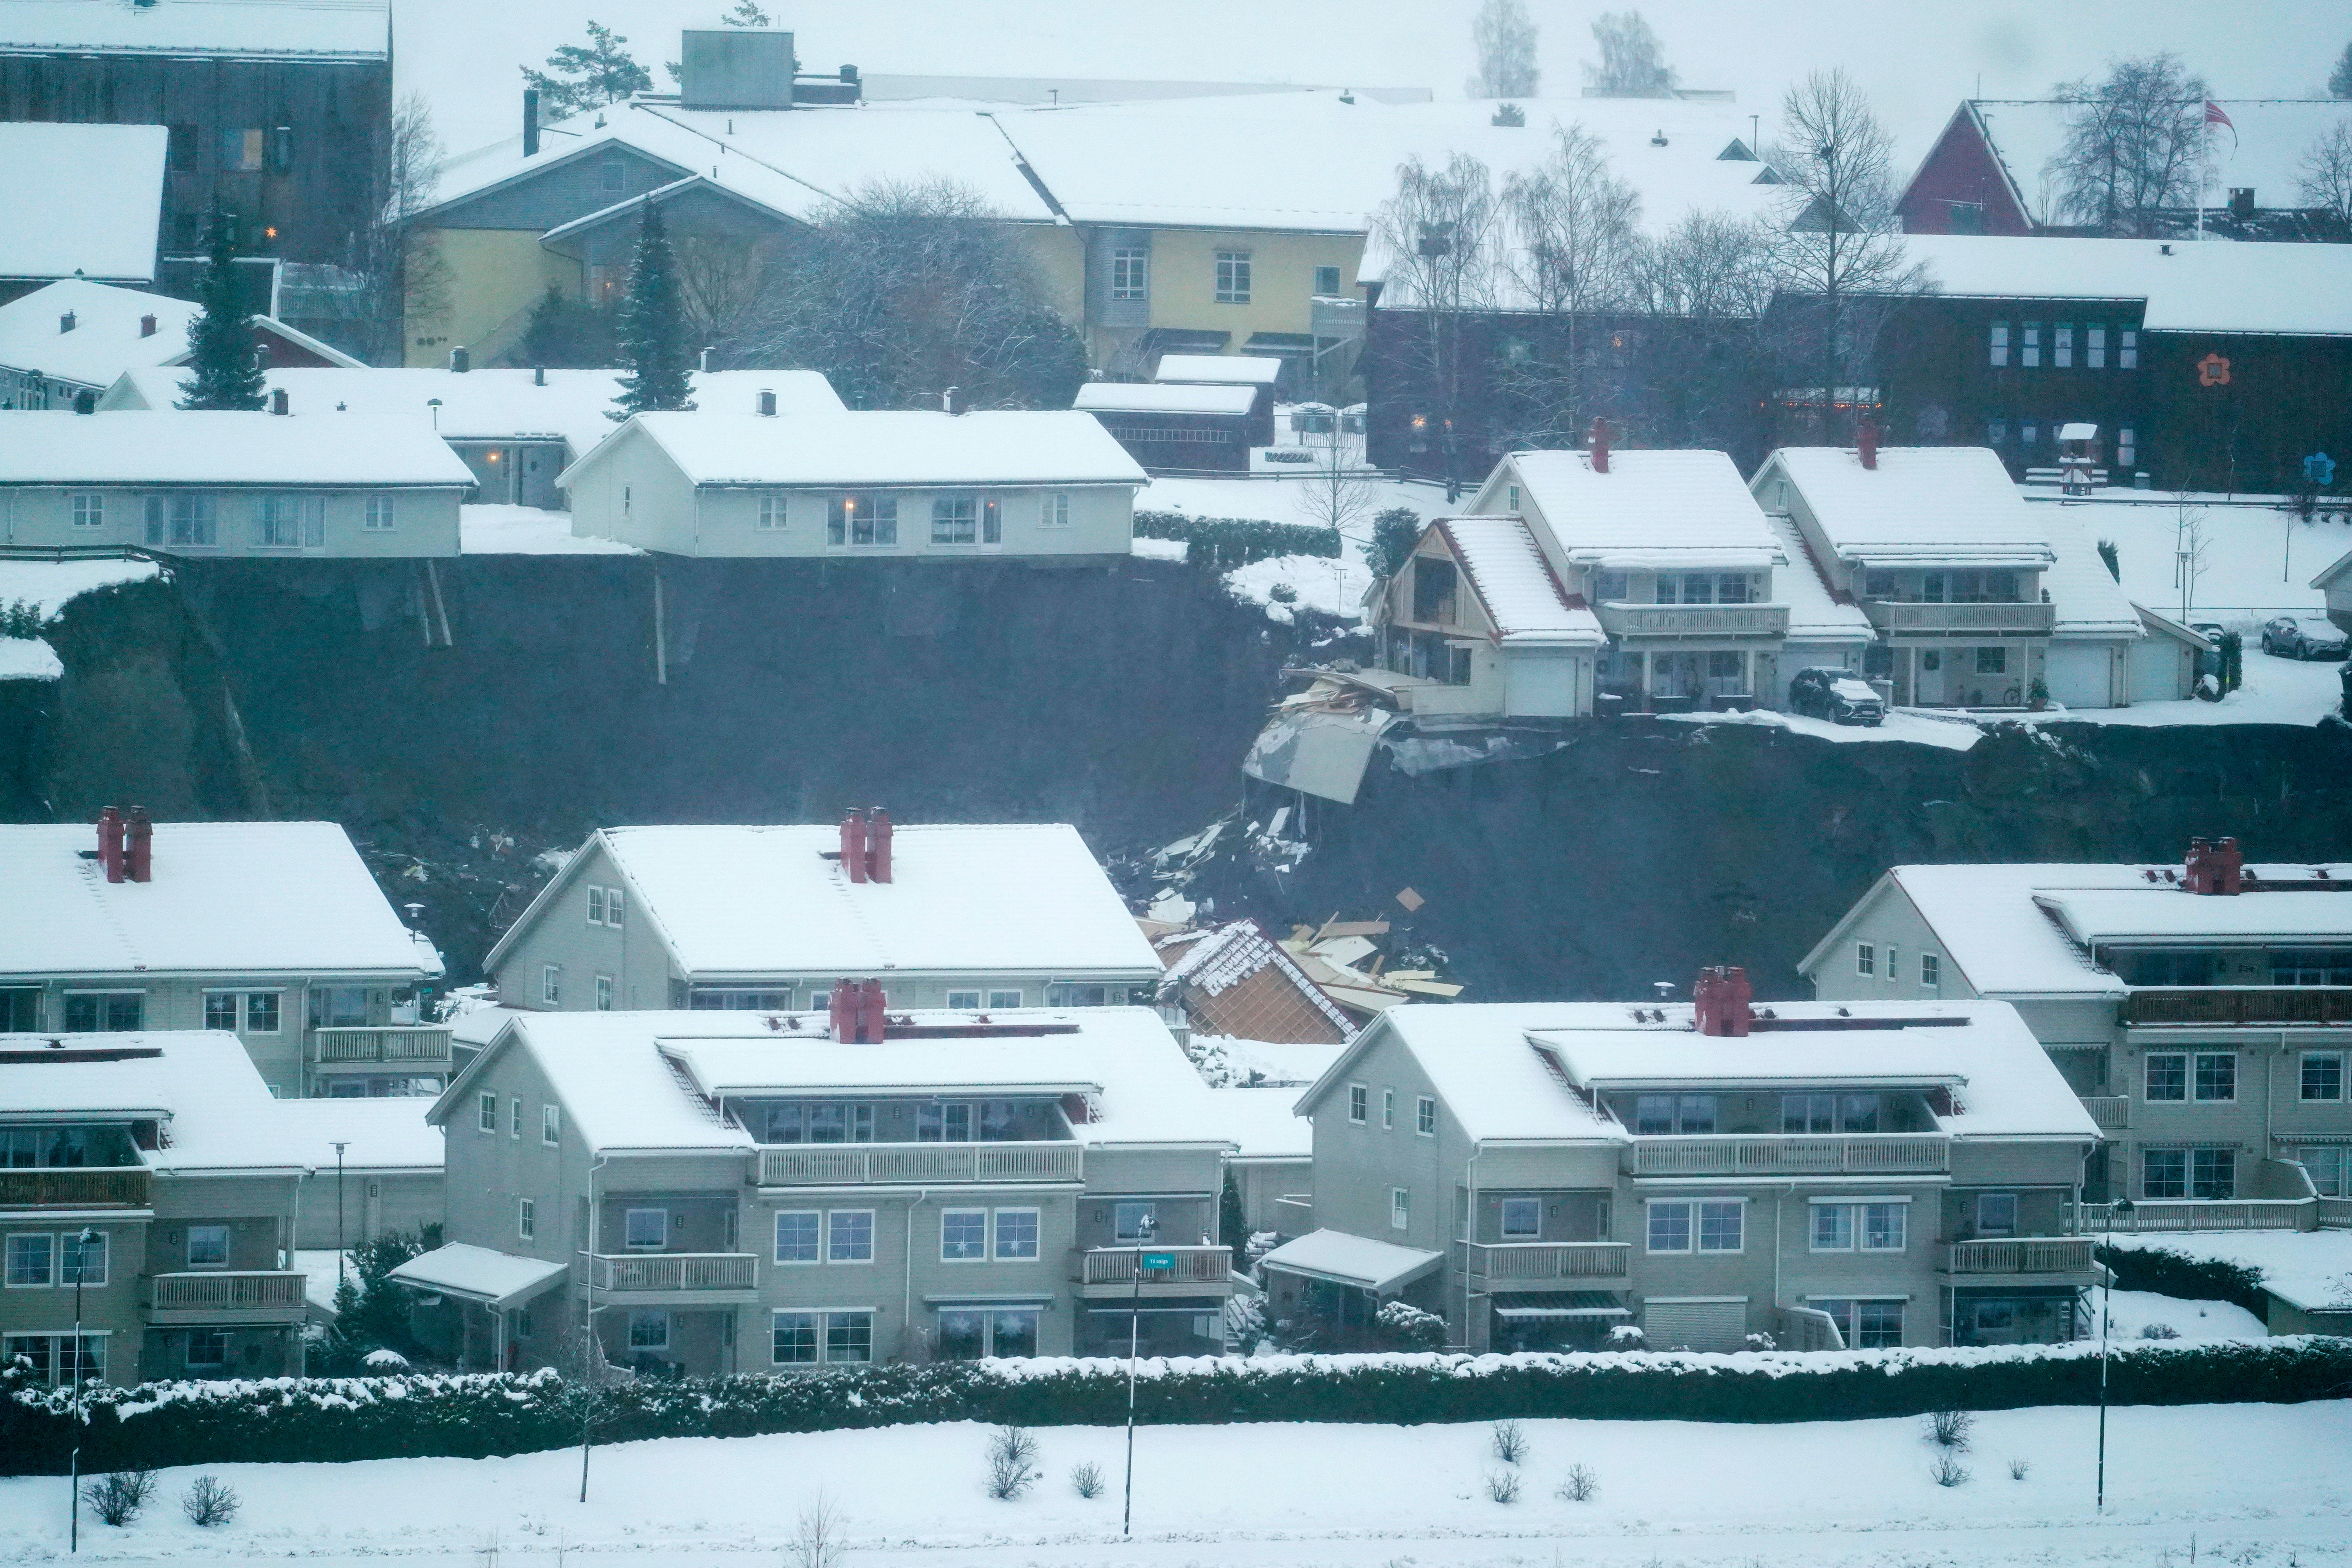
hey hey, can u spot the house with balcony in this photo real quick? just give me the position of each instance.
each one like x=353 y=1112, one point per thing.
x=1674 y=561
x=273 y=931
x=975 y=917
x=1478 y=625
x=1545 y=1173
x=152 y=1169
x=1047 y=485
x=722 y=1192
x=2202 y=1010
x=214 y=485
x=1975 y=599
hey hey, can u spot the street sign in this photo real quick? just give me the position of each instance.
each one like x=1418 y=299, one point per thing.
x=1160 y=1260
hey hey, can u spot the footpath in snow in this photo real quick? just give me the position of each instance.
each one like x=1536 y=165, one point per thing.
x=2266 y=1479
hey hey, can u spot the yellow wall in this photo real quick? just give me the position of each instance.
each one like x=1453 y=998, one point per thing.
x=1060 y=252
x=494 y=276
x=1282 y=278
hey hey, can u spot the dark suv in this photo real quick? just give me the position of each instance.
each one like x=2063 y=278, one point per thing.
x=1824 y=691
x=2303 y=637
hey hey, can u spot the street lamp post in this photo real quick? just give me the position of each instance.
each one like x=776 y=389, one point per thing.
x=82 y=1244
x=342 y=1257
x=2106 y=1304
x=1134 y=1340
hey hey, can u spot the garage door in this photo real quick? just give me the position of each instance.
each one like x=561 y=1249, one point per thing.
x=2078 y=674
x=2163 y=669
x=1713 y=1323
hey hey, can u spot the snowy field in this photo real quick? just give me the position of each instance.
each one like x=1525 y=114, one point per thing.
x=2269 y=1481
x=1334 y=586
x=2195 y=1323
x=2257 y=562
x=46 y=585
x=528 y=531
x=1953 y=733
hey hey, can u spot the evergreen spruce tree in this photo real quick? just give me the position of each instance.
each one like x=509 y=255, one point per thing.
x=228 y=372
x=655 y=358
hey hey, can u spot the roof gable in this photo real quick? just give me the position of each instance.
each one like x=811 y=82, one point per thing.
x=1662 y=507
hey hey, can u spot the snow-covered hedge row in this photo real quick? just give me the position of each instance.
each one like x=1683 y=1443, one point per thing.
x=2170 y=1273
x=1219 y=542
x=485 y=1414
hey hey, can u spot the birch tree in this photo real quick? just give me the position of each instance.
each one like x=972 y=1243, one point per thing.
x=1505 y=36
x=1632 y=62
x=1571 y=258
x=2136 y=143
x=1438 y=233
x=2326 y=173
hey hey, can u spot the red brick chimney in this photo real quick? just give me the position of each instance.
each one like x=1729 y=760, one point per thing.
x=860 y=1012
x=109 y=843
x=1598 y=444
x=878 y=846
x=142 y=850
x=2214 y=865
x=852 y=845
x=1866 y=443
x=1722 y=996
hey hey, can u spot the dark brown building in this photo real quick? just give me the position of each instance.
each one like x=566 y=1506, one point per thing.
x=278 y=112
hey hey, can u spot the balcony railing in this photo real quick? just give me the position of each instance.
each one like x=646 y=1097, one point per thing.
x=424 y=1043
x=2197 y=1213
x=2022 y=1255
x=1530 y=1260
x=1622 y=620
x=2263 y=1005
x=1899 y=618
x=876 y=1164
x=2336 y=1213
x=675 y=1271
x=1193 y=1266
x=254 y=1291
x=69 y=1188
x=2111 y=1111
x=1767 y=1155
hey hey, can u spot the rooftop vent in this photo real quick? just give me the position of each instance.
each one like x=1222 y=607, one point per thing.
x=460 y=360
x=279 y=402
x=766 y=405
x=66 y=322
x=2215 y=866
x=146 y=326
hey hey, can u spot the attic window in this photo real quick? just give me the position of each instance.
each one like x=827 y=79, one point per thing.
x=1434 y=582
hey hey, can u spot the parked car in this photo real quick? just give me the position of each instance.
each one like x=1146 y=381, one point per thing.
x=2303 y=636
x=2210 y=631
x=1824 y=691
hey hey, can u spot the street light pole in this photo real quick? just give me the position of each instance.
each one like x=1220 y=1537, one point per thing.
x=2106 y=1305
x=82 y=1245
x=1134 y=1339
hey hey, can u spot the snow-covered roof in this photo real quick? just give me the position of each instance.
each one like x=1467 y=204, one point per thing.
x=479 y=1273
x=217 y=1114
x=2265 y=155
x=2087 y=600
x=168 y=447
x=888 y=447
x=570 y=406
x=335 y=30
x=1264 y=1123
x=387 y=1133
x=227 y=897
x=2216 y=286
x=81 y=198
x=1815 y=612
x=1379 y=1266
x=1522 y=594
x=106 y=340
x=1157 y=397
x=1920 y=504
x=964 y=897
x=1664 y=508
x=2168 y=914
x=1220 y=370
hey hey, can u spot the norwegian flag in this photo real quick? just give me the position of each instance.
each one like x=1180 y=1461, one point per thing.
x=2216 y=115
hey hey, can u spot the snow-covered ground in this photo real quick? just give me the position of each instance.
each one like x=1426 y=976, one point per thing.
x=2275 y=691
x=528 y=531
x=1334 y=586
x=2135 y=1311
x=2257 y=562
x=1225 y=1060
x=2268 y=1479
x=1953 y=733
x=29 y=658
x=2310 y=1268
x=46 y=585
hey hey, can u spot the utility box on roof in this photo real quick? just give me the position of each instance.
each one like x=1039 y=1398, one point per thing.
x=735 y=68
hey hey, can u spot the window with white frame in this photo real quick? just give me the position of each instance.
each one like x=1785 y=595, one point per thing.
x=1400 y=1209
x=52 y=1358
x=2329 y=1166
x=848 y=1338
x=1016 y=1235
x=1522 y=1218
x=797 y=1337
x=186 y=518
x=1696 y=1225
x=2206 y=1174
x=1054 y=509
x=1232 y=278
x=1388 y=1109
x=821 y=1121
x=947 y=1121
x=963 y=1235
x=81 y=1258
x=604 y=993
x=527 y=1218
x=772 y=512
x=220 y=1010
x=963 y=1000
x=104 y=1012
x=379 y=514
x=1359 y=1097
x=550 y=984
x=1865 y=958
x=644 y=1229
x=2323 y=1075
x=1828 y=1113
x=797 y=1233
x=999 y=1001
x=1893 y=963
x=486 y=1114
x=2209 y=1077
x=1931 y=971
x=1134 y=1222
x=32 y=1260
x=967 y=1334
x=595 y=905
x=208 y=1246
x=1865 y=1226
x=551 y=1124
x=285 y=521
x=1667 y=1115
x=1425 y=1116
x=955 y=520
x=2216 y=1076
x=1996 y=1214
x=649 y=1330
x=1130 y=272
x=90 y=511
x=849 y=1235
x=862 y=520
x=1867 y=1324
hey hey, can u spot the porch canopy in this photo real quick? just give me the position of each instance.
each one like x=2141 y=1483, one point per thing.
x=1382 y=1268
x=497 y=1279
x=1563 y=1304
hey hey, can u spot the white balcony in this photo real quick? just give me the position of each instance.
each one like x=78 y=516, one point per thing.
x=226 y=1296
x=2111 y=1111
x=2021 y=1255
x=1192 y=1271
x=1511 y=1265
x=1768 y=1154
x=414 y=1046
x=2198 y=1214
x=1670 y=621
x=1898 y=618
x=674 y=1273
x=893 y=1164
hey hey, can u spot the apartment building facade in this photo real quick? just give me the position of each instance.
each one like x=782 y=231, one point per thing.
x=2202 y=1012
x=1716 y=1175
x=710 y=1192
x=972 y=917
x=273 y=931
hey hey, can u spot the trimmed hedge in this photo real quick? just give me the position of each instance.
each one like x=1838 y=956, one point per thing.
x=478 y=1415
x=1217 y=543
x=2169 y=1273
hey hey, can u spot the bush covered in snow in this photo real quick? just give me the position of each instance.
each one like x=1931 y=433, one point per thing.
x=478 y=1415
x=2164 y=1273
x=1219 y=542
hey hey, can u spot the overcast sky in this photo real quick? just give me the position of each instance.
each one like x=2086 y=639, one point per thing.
x=1915 y=59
